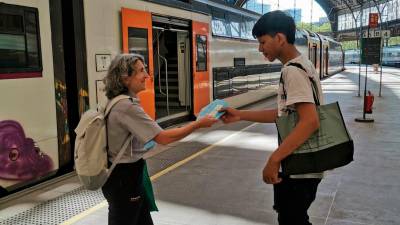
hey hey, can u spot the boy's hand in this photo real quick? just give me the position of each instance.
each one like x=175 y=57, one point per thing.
x=270 y=172
x=206 y=121
x=231 y=115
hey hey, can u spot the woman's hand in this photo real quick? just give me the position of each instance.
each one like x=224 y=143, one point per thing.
x=206 y=121
x=231 y=115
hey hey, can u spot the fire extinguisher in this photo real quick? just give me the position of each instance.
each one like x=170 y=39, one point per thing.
x=369 y=101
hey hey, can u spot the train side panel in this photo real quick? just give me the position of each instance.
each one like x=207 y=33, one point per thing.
x=28 y=128
x=253 y=80
x=103 y=34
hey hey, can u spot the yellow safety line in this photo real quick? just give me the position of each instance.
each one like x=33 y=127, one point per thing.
x=155 y=176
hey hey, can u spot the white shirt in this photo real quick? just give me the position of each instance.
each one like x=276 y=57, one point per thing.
x=297 y=85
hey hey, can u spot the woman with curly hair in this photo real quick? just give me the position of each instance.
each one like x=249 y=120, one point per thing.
x=124 y=190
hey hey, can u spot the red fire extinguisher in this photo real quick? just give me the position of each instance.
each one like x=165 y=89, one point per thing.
x=369 y=101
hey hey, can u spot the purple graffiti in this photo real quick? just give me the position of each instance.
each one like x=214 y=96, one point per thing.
x=20 y=158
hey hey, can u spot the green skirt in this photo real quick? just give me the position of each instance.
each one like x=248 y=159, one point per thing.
x=148 y=189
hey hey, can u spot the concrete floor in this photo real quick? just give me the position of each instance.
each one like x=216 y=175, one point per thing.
x=223 y=186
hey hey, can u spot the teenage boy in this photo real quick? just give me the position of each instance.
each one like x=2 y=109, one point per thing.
x=293 y=195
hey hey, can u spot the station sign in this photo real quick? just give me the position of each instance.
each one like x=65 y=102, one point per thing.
x=373 y=20
x=371 y=50
x=373 y=33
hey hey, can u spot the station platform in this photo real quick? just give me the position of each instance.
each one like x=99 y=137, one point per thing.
x=213 y=177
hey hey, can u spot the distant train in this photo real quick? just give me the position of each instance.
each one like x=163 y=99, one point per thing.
x=390 y=56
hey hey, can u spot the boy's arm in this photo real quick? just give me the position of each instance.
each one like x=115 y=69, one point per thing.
x=307 y=125
x=260 y=116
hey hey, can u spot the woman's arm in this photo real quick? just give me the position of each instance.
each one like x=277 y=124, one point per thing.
x=174 y=134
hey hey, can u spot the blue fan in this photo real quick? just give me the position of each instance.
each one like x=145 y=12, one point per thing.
x=149 y=145
x=213 y=108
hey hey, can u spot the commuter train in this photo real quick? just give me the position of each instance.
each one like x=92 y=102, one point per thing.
x=54 y=55
x=390 y=56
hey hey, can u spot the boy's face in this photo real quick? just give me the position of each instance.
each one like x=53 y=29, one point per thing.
x=269 y=46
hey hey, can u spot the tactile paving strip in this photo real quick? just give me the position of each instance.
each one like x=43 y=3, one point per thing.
x=57 y=210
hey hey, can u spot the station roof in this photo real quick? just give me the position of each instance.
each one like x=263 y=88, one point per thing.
x=330 y=6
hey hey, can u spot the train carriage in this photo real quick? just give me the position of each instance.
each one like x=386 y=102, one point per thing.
x=390 y=56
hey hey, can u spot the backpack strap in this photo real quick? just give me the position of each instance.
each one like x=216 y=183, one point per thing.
x=119 y=155
x=314 y=86
x=128 y=139
x=112 y=102
x=107 y=111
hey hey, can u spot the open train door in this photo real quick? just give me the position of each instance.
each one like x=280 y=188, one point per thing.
x=201 y=65
x=137 y=37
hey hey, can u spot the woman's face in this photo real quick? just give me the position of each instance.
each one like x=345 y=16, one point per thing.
x=137 y=81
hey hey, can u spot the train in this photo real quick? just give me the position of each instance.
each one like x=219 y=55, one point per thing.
x=390 y=56
x=54 y=55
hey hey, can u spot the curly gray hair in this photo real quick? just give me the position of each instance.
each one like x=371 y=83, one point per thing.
x=121 y=66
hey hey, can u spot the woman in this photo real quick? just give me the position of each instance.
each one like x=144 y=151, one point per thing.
x=124 y=189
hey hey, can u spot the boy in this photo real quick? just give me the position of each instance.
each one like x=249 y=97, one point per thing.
x=275 y=32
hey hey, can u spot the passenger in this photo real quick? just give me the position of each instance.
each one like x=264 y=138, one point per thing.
x=275 y=32
x=124 y=189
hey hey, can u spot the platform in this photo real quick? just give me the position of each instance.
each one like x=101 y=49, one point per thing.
x=213 y=177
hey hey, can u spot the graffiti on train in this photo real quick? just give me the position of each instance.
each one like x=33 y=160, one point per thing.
x=20 y=157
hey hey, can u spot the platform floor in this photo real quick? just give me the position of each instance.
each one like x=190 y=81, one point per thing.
x=213 y=177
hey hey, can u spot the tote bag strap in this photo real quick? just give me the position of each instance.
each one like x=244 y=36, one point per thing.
x=314 y=86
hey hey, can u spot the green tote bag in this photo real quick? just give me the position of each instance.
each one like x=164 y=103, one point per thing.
x=329 y=147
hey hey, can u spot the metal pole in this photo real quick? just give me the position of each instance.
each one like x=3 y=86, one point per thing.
x=366 y=75
x=360 y=56
x=381 y=47
x=364 y=119
x=294 y=10
x=311 y=14
x=358 y=42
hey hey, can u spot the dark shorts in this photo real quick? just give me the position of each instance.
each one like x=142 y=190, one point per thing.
x=125 y=195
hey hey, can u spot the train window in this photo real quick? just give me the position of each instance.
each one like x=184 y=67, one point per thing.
x=137 y=42
x=20 y=55
x=201 y=61
x=235 y=29
x=246 y=28
x=238 y=62
x=234 y=23
x=219 y=27
x=300 y=40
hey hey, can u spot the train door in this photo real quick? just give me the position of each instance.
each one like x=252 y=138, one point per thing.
x=326 y=59
x=137 y=37
x=320 y=56
x=165 y=43
x=317 y=55
x=171 y=68
x=200 y=65
x=313 y=54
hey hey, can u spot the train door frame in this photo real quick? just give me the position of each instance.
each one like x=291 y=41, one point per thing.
x=171 y=54
x=327 y=60
x=70 y=74
x=321 y=55
x=314 y=46
x=199 y=88
x=201 y=77
x=138 y=22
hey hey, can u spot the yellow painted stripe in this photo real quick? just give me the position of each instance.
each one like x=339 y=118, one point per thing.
x=155 y=176
x=190 y=158
x=85 y=213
